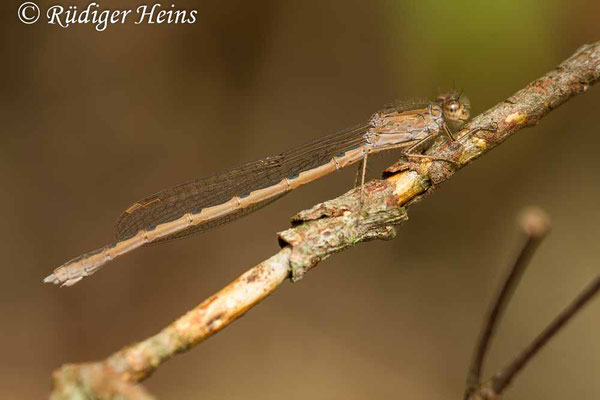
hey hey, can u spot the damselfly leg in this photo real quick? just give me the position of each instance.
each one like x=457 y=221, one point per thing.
x=362 y=178
x=448 y=132
x=492 y=128
x=413 y=151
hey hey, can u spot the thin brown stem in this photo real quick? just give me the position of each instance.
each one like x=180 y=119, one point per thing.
x=502 y=379
x=535 y=225
x=511 y=281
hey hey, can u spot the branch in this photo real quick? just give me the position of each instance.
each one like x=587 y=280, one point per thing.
x=334 y=226
x=493 y=389
x=502 y=379
x=536 y=226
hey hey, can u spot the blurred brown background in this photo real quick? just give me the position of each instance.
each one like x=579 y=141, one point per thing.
x=93 y=121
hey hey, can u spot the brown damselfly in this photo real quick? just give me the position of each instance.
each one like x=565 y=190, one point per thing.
x=202 y=204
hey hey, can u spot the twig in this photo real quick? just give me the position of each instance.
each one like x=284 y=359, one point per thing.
x=332 y=226
x=136 y=362
x=501 y=380
x=536 y=226
x=493 y=389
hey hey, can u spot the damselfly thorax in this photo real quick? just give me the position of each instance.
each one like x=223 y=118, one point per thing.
x=205 y=203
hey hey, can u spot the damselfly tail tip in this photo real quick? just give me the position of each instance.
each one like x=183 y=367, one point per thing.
x=71 y=282
x=52 y=279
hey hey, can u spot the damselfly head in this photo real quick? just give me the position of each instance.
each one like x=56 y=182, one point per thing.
x=455 y=106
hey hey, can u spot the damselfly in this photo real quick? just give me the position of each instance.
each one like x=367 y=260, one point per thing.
x=196 y=206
